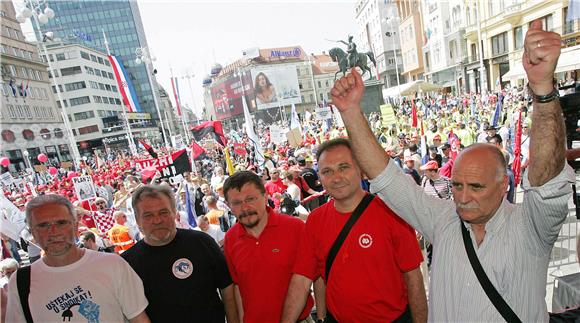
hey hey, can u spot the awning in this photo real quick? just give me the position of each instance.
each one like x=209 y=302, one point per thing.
x=568 y=61
x=410 y=88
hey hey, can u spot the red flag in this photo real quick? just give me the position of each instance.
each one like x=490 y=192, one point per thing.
x=414 y=114
x=148 y=148
x=196 y=150
x=210 y=127
x=517 y=163
x=455 y=145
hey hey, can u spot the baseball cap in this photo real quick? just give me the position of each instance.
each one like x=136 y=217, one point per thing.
x=431 y=165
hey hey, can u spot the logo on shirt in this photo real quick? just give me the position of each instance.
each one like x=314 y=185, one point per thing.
x=365 y=240
x=182 y=268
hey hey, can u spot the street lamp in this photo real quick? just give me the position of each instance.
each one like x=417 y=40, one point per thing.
x=26 y=155
x=33 y=10
x=143 y=56
x=391 y=34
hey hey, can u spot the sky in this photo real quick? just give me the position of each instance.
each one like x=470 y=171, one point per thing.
x=188 y=37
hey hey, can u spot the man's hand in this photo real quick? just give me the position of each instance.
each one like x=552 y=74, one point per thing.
x=541 y=52
x=348 y=91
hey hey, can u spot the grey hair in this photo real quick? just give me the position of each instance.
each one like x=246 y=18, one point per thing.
x=154 y=191
x=8 y=263
x=42 y=200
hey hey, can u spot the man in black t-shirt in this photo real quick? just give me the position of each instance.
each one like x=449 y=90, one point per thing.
x=311 y=178
x=181 y=269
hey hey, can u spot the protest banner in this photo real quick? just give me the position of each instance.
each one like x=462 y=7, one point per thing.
x=84 y=188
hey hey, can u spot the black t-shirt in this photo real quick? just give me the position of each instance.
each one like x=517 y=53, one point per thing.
x=311 y=179
x=181 y=279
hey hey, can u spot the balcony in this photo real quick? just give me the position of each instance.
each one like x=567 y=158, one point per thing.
x=513 y=13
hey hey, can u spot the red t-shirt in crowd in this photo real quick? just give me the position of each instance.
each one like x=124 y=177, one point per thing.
x=366 y=280
x=262 y=267
x=275 y=187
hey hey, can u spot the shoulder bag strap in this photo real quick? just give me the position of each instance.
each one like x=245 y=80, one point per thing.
x=23 y=285
x=500 y=304
x=345 y=230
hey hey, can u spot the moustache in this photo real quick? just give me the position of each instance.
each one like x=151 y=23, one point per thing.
x=247 y=213
x=466 y=206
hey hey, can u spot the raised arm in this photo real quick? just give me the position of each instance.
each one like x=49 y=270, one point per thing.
x=547 y=140
x=346 y=96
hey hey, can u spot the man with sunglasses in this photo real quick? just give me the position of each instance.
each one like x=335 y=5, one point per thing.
x=69 y=282
x=260 y=250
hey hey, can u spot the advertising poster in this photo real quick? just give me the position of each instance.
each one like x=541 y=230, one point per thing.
x=275 y=86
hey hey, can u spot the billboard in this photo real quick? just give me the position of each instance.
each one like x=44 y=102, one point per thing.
x=275 y=86
x=227 y=96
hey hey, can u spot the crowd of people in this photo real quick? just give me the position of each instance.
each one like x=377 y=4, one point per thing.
x=259 y=242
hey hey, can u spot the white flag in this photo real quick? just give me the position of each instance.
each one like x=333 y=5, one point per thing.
x=295 y=121
x=252 y=134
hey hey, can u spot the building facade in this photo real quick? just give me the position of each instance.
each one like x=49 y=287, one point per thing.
x=90 y=95
x=84 y=22
x=411 y=39
x=30 y=122
x=378 y=32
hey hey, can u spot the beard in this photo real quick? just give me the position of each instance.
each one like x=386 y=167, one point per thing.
x=248 y=223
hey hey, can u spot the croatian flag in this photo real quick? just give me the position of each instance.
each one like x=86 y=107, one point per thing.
x=125 y=86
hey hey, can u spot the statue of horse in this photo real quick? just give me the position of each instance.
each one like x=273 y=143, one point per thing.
x=339 y=56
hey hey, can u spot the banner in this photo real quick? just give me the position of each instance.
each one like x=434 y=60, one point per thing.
x=84 y=188
x=275 y=86
x=323 y=113
x=240 y=149
x=227 y=95
x=388 y=115
x=169 y=166
x=210 y=127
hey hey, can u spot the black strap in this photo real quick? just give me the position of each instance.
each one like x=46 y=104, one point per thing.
x=362 y=205
x=500 y=304
x=23 y=284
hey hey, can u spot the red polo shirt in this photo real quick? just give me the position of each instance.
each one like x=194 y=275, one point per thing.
x=275 y=187
x=262 y=267
x=366 y=280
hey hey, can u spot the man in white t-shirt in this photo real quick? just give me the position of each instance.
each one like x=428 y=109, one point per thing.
x=213 y=230
x=70 y=283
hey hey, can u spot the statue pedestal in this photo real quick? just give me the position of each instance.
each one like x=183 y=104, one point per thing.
x=373 y=97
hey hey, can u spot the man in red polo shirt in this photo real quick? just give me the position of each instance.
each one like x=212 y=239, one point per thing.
x=275 y=187
x=375 y=276
x=260 y=250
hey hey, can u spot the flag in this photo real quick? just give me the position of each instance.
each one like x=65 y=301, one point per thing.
x=413 y=114
x=455 y=145
x=294 y=120
x=196 y=150
x=21 y=89
x=424 y=148
x=26 y=88
x=255 y=142
x=148 y=148
x=98 y=161
x=229 y=164
x=13 y=87
x=210 y=127
x=176 y=96
x=125 y=86
x=573 y=11
x=191 y=216
x=497 y=113
x=169 y=165
x=517 y=163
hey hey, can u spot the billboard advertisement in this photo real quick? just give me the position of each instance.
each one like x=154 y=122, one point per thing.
x=275 y=86
x=227 y=96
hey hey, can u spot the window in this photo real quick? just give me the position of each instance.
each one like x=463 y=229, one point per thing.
x=58 y=133
x=75 y=86
x=11 y=111
x=100 y=60
x=108 y=87
x=97 y=99
x=45 y=134
x=88 y=129
x=452 y=50
x=8 y=136
x=89 y=70
x=114 y=88
x=102 y=86
x=97 y=72
x=499 y=44
x=60 y=57
x=84 y=115
x=70 y=71
x=93 y=58
x=32 y=74
x=12 y=70
x=85 y=56
x=38 y=75
x=319 y=84
x=518 y=37
x=111 y=76
x=94 y=85
x=28 y=134
x=79 y=101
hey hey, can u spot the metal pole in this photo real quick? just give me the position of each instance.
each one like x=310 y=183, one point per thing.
x=154 y=90
x=313 y=84
x=72 y=142
x=482 y=73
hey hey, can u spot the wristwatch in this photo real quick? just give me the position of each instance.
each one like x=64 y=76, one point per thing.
x=544 y=98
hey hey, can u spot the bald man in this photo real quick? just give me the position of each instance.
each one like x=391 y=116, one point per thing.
x=512 y=242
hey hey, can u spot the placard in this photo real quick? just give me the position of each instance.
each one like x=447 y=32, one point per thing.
x=84 y=188
x=388 y=115
x=323 y=113
x=7 y=179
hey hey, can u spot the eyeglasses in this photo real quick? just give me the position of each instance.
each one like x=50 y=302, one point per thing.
x=58 y=224
x=248 y=200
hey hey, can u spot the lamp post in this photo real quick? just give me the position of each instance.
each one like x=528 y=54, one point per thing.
x=189 y=76
x=27 y=162
x=391 y=34
x=33 y=10
x=142 y=56
x=310 y=62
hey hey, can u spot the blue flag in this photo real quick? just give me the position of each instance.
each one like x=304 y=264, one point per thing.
x=191 y=216
x=497 y=113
